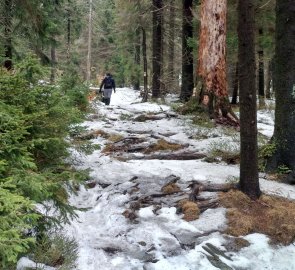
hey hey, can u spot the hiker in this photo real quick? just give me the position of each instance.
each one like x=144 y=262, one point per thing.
x=108 y=84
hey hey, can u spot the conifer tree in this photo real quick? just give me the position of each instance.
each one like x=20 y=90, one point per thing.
x=157 y=42
x=284 y=85
x=187 y=78
x=249 y=182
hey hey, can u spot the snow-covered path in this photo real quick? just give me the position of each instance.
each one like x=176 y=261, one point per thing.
x=159 y=238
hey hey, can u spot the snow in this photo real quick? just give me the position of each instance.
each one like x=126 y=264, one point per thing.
x=161 y=239
x=25 y=263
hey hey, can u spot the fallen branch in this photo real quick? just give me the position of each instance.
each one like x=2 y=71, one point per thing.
x=169 y=156
x=205 y=205
x=198 y=187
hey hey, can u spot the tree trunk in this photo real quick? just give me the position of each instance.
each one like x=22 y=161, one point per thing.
x=284 y=87
x=145 y=75
x=136 y=85
x=53 y=62
x=212 y=66
x=261 y=78
x=268 y=78
x=236 y=85
x=212 y=58
x=187 y=80
x=8 y=34
x=261 y=73
x=171 y=47
x=249 y=182
x=157 y=47
x=68 y=31
x=88 y=64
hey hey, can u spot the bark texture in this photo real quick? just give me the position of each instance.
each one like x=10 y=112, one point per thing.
x=235 y=85
x=53 y=62
x=268 y=78
x=249 y=182
x=157 y=47
x=187 y=82
x=284 y=87
x=136 y=81
x=145 y=75
x=261 y=72
x=69 y=29
x=8 y=34
x=89 y=43
x=212 y=64
x=171 y=46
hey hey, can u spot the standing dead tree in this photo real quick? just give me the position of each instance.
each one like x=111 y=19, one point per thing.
x=212 y=60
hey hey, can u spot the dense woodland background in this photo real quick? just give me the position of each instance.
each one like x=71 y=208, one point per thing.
x=52 y=50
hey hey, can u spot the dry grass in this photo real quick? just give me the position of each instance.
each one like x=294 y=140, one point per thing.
x=170 y=189
x=235 y=244
x=126 y=145
x=91 y=96
x=163 y=145
x=190 y=210
x=100 y=133
x=272 y=216
x=274 y=177
x=123 y=146
x=109 y=136
x=115 y=137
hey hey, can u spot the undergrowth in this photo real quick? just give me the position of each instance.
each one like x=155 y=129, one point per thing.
x=225 y=151
x=57 y=251
x=35 y=119
x=270 y=215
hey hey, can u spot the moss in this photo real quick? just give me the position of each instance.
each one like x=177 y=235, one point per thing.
x=190 y=107
x=203 y=120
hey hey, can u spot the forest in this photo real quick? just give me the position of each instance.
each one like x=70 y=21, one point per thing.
x=147 y=134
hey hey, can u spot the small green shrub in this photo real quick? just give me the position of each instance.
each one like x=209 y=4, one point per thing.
x=35 y=121
x=58 y=251
x=228 y=152
x=265 y=152
x=203 y=120
x=232 y=180
x=283 y=169
x=16 y=211
x=190 y=107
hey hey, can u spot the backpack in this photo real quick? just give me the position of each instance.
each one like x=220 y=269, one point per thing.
x=108 y=83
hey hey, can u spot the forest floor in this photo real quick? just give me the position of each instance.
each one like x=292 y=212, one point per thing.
x=134 y=219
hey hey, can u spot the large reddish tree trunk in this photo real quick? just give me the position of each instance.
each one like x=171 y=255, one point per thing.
x=212 y=57
x=212 y=66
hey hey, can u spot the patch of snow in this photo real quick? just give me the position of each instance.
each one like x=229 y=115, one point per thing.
x=160 y=239
x=24 y=263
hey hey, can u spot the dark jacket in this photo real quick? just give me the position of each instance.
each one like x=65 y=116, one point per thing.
x=104 y=83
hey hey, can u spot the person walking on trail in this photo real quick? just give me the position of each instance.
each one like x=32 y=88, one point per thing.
x=108 y=84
